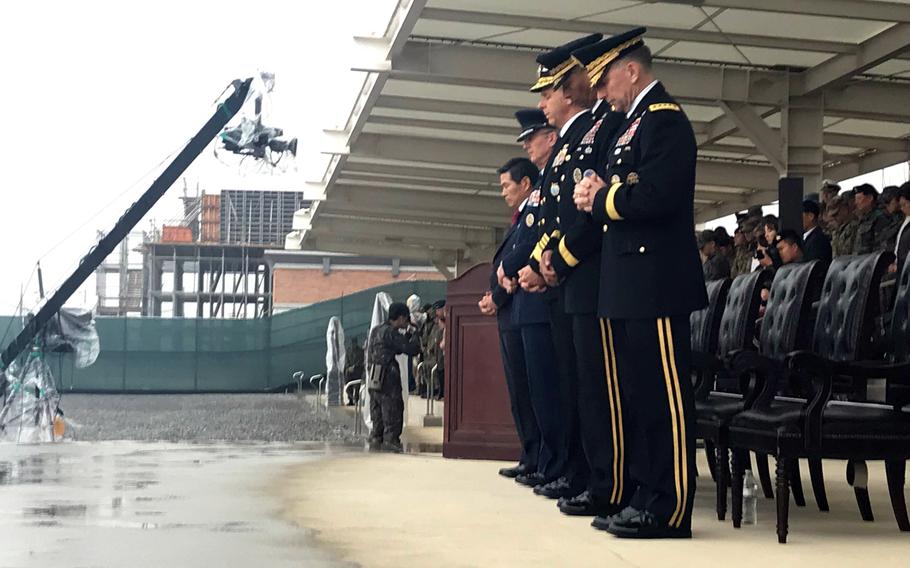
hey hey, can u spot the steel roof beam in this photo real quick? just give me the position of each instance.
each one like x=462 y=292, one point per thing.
x=521 y=21
x=872 y=52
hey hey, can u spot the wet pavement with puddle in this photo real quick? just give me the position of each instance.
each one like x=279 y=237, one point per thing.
x=115 y=504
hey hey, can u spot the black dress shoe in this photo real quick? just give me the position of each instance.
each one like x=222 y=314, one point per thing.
x=645 y=525
x=603 y=522
x=586 y=505
x=556 y=489
x=513 y=472
x=531 y=479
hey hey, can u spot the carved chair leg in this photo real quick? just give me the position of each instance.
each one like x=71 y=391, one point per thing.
x=712 y=462
x=895 y=472
x=817 y=475
x=796 y=482
x=736 y=486
x=764 y=475
x=858 y=478
x=783 y=498
x=722 y=476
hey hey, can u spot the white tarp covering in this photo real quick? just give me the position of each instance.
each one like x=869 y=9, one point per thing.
x=30 y=403
x=334 y=363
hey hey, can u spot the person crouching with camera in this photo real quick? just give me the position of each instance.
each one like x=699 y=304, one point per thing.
x=384 y=377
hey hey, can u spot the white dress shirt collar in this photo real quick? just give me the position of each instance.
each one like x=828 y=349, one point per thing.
x=897 y=242
x=565 y=127
x=640 y=96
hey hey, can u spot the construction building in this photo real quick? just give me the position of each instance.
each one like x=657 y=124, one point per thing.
x=224 y=259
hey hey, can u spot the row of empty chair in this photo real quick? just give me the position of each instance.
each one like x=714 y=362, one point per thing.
x=792 y=382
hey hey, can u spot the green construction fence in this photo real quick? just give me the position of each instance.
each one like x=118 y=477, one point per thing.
x=219 y=355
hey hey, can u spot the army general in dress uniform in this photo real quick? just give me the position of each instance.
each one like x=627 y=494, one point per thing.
x=576 y=272
x=651 y=281
x=568 y=109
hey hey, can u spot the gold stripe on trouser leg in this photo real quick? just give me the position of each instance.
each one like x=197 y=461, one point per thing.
x=684 y=465
x=614 y=496
x=616 y=395
x=661 y=336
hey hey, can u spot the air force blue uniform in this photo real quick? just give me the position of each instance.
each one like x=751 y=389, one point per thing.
x=513 y=361
x=531 y=317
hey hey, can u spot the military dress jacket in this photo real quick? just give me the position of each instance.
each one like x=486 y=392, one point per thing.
x=650 y=265
x=576 y=256
x=557 y=178
x=527 y=307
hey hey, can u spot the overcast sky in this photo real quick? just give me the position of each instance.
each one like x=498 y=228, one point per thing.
x=98 y=93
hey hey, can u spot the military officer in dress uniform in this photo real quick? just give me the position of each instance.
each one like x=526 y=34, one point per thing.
x=566 y=99
x=651 y=281
x=577 y=273
x=530 y=318
x=537 y=137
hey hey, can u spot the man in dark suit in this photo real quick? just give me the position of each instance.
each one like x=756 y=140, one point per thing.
x=816 y=244
x=498 y=301
x=902 y=246
x=651 y=281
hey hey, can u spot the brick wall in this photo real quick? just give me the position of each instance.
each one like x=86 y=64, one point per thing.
x=302 y=286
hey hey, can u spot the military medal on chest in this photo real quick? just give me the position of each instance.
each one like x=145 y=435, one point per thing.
x=529 y=220
x=629 y=133
x=560 y=157
x=589 y=137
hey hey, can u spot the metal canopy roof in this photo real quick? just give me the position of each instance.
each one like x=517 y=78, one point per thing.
x=412 y=171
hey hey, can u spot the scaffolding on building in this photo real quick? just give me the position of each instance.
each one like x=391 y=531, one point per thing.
x=259 y=217
x=206 y=281
x=209 y=263
x=123 y=274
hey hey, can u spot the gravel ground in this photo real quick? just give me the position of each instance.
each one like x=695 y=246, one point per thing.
x=199 y=418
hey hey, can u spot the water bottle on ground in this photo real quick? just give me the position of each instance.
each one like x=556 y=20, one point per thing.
x=750 y=499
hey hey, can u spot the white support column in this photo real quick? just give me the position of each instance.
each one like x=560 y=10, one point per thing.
x=802 y=128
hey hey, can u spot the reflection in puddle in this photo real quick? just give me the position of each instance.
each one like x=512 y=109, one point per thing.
x=56 y=510
x=177 y=505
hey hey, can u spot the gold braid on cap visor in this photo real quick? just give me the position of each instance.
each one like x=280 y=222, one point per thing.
x=554 y=74
x=597 y=67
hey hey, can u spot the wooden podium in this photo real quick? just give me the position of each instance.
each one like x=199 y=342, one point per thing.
x=478 y=418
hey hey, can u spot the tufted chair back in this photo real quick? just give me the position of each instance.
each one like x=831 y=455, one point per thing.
x=705 y=323
x=848 y=307
x=785 y=327
x=737 y=326
x=900 y=322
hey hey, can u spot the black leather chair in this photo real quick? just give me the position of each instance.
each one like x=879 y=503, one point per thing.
x=705 y=326
x=785 y=327
x=815 y=429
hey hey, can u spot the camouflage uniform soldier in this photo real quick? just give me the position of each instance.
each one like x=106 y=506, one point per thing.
x=386 y=403
x=842 y=225
x=742 y=259
x=873 y=225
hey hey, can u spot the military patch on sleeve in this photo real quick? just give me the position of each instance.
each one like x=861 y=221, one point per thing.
x=534 y=198
x=663 y=106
